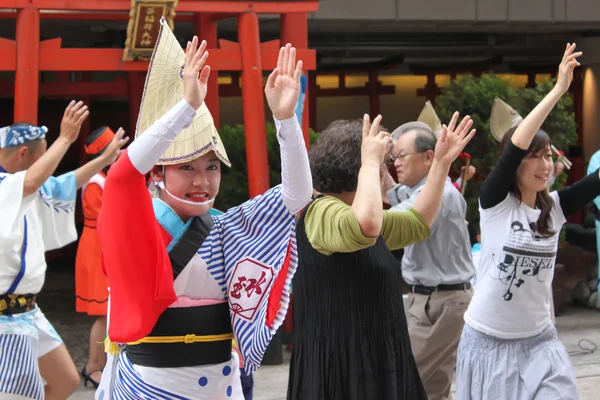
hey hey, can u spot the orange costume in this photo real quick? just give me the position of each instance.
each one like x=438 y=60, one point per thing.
x=91 y=284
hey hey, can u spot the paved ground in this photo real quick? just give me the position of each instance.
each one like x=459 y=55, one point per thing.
x=573 y=327
x=57 y=302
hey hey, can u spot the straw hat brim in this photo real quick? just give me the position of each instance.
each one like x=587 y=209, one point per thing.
x=503 y=118
x=162 y=91
x=430 y=117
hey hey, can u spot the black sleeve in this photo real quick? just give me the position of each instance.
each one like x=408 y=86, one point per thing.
x=502 y=178
x=573 y=198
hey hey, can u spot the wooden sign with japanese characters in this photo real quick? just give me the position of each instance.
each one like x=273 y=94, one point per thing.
x=144 y=26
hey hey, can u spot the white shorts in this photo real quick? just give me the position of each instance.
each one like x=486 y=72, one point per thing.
x=23 y=339
x=48 y=338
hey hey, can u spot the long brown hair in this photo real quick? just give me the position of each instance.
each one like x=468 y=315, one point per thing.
x=543 y=201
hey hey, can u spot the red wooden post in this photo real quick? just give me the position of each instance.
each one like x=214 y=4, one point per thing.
x=86 y=76
x=27 y=72
x=530 y=80
x=205 y=27
x=294 y=30
x=312 y=98
x=373 y=95
x=431 y=89
x=135 y=81
x=254 y=111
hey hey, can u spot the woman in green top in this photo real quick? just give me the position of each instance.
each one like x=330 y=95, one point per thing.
x=350 y=334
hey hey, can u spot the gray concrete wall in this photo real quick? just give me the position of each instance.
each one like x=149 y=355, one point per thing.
x=462 y=10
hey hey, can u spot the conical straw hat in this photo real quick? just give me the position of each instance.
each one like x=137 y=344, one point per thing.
x=503 y=118
x=429 y=116
x=162 y=91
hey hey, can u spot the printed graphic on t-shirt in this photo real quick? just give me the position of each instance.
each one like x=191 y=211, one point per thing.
x=526 y=258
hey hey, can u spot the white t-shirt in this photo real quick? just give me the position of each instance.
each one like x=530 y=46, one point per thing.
x=514 y=276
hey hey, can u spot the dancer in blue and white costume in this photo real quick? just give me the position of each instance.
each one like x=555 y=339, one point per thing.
x=37 y=214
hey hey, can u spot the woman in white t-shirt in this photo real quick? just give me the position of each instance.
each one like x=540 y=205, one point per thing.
x=509 y=348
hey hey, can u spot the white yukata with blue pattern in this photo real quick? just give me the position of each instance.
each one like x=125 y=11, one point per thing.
x=30 y=226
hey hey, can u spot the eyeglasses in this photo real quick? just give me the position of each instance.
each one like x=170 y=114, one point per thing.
x=403 y=156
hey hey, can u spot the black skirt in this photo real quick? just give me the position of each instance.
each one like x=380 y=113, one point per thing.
x=350 y=337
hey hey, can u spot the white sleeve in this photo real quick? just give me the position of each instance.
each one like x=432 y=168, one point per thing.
x=296 y=178
x=12 y=202
x=56 y=208
x=147 y=149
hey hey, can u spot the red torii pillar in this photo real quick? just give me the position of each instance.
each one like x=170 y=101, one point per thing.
x=294 y=30
x=28 y=65
x=254 y=111
x=205 y=27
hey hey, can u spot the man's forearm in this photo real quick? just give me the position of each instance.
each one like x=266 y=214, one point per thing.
x=84 y=173
x=45 y=166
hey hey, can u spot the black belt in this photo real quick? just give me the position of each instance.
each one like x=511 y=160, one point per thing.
x=186 y=322
x=11 y=304
x=427 y=290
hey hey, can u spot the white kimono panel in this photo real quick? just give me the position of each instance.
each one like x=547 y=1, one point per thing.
x=30 y=226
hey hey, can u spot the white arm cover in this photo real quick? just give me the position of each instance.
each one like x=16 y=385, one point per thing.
x=147 y=149
x=296 y=178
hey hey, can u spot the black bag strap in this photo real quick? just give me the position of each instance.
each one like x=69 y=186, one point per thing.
x=189 y=243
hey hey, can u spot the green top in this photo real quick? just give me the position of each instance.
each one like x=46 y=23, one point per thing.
x=332 y=227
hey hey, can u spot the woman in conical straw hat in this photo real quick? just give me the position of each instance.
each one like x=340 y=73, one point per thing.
x=184 y=283
x=509 y=348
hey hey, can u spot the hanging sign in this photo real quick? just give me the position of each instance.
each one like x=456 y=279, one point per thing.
x=144 y=26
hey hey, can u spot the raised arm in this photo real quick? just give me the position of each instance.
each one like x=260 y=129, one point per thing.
x=367 y=205
x=45 y=166
x=532 y=123
x=449 y=145
x=573 y=198
x=110 y=155
x=282 y=91
x=496 y=186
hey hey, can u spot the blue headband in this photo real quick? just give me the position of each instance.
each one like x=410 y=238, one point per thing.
x=19 y=135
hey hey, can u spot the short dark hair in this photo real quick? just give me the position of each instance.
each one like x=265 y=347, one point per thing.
x=335 y=159
x=93 y=136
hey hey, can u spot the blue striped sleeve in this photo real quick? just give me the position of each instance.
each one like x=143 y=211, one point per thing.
x=256 y=238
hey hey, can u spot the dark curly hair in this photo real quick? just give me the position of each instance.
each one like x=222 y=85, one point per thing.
x=335 y=158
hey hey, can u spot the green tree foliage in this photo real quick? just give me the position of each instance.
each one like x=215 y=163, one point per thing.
x=234 y=180
x=475 y=97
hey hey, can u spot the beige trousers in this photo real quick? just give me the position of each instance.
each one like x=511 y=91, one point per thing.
x=435 y=324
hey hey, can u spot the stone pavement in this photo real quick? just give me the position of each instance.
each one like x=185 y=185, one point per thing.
x=57 y=302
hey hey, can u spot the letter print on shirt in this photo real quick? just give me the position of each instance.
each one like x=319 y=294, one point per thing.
x=526 y=258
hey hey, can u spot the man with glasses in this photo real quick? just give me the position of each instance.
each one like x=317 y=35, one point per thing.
x=437 y=270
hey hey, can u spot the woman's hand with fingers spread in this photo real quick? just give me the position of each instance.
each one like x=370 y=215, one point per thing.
x=453 y=140
x=375 y=144
x=566 y=67
x=283 y=86
x=195 y=73
x=114 y=149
